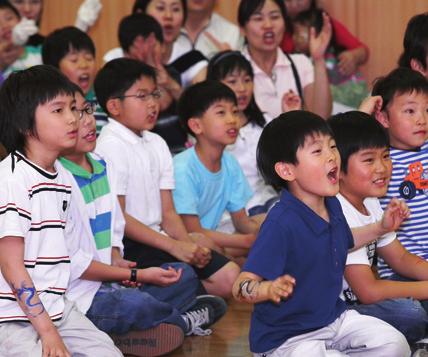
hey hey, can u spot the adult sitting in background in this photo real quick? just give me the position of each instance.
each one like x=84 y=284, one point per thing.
x=275 y=73
x=207 y=31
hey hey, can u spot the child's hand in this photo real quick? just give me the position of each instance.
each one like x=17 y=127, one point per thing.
x=188 y=252
x=159 y=276
x=371 y=105
x=318 y=44
x=347 y=63
x=281 y=288
x=23 y=30
x=291 y=101
x=395 y=213
x=52 y=344
x=123 y=263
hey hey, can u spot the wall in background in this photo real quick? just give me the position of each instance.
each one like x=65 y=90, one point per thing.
x=378 y=23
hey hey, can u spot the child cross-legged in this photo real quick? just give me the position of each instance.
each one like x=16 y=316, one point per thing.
x=150 y=319
x=38 y=120
x=154 y=233
x=366 y=169
x=294 y=271
x=209 y=179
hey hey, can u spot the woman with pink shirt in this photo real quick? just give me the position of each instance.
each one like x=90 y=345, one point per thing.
x=275 y=73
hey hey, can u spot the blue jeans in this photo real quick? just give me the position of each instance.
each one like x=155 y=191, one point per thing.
x=406 y=315
x=119 y=310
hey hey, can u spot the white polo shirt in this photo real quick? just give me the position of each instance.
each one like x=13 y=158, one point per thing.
x=268 y=91
x=222 y=29
x=143 y=167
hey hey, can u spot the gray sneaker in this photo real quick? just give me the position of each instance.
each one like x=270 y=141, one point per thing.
x=207 y=310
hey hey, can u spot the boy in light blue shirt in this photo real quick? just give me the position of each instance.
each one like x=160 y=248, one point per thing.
x=210 y=181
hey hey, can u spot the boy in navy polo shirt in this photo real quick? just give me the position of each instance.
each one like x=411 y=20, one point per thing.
x=295 y=268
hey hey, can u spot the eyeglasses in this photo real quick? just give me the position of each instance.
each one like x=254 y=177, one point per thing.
x=156 y=95
x=89 y=109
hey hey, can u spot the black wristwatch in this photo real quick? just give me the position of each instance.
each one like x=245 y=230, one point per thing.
x=133 y=277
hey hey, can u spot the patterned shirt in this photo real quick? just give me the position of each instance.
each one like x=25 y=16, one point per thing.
x=409 y=181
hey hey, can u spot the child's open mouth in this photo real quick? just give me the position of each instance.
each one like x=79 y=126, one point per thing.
x=332 y=175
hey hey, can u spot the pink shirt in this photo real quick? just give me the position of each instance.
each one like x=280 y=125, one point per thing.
x=268 y=91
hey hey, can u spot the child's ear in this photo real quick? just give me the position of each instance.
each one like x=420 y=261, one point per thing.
x=195 y=125
x=382 y=117
x=113 y=107
x=417 y=66
x=285 y=171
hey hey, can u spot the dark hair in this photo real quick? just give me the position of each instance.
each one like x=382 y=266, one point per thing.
x=282 y=137
x=313 y=17
x=197 y=99
x=400 y=81
x=117 y=76
x=223 y=64
x=60 y=42
x=248 y=7
x=4 y=4
x=20 y=95
x=140 y=6
x=415 y=41
x=354 y=131
x=135 y=25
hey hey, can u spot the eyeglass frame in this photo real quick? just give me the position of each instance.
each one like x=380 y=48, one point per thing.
x=144 y=97
x=89 y=109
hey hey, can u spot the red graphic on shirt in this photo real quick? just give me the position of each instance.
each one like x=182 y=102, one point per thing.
x=415 y=181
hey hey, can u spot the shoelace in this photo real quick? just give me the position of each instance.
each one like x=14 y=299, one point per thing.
x=195 y=319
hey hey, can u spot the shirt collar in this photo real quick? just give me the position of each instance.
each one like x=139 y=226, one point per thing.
x=281 y=60
x=77 y=170
x=317 y=224
x=128 y=134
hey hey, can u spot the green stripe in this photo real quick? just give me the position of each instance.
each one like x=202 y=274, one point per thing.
x=95 y=190
x=102 y=239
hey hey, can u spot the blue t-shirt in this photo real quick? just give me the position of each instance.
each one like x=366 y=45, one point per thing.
x=207 y=194
x=294 y=240
x=409 y=181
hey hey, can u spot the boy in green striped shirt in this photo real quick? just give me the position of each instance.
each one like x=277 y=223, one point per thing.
x=149 y=320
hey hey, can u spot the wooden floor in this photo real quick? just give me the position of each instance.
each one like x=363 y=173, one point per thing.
x=229 y=337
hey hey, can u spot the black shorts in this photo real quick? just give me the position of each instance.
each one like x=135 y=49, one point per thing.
x=147 y=256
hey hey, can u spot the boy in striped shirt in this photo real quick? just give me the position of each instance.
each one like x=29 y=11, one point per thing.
x=404 y=113
x=38 y=120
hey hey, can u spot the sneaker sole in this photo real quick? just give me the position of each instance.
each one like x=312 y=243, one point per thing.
x=155 y=341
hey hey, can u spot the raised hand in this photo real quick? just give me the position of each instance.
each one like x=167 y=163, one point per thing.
x=318 y=44
x=291 y=101
x=371 y=105
x=395 y=213
x=23 y=30
x=87 y=14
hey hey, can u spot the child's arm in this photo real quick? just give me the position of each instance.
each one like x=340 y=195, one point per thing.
x=371 y=105
x=394 y=214
x=223 y=240
x=350 y=60
x=318 y=95
x=173 y=225
x=138 y=231
x=252 y=289
x=370 y=290
x=13 y=269
x=246 y=224
x=98 y=271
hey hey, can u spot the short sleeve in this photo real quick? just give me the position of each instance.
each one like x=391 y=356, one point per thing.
x=358 y=256
x=185 y=194
x=15 y=209
x=267 y=257
x=240 y=192
x=113 y=152
x=167 y=181
x=305 y=69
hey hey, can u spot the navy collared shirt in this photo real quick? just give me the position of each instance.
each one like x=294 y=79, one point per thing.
x=294 y=240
